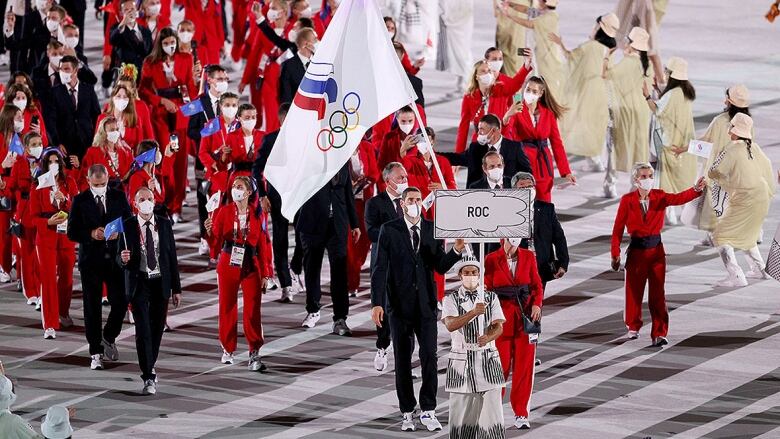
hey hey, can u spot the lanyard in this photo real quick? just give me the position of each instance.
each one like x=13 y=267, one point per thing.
x=237 y=231
x=111 y=162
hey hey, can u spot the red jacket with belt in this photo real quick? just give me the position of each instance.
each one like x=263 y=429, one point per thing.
x=42 y=208
x=225 y=222
x=498 y=274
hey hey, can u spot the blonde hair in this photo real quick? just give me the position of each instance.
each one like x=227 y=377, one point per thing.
x=473 y=81
x=639 y=166
x=129 y=113
x=100 y=135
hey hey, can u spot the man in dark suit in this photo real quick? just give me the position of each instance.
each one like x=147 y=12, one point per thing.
x=46 y=75
x=77 y=10
x=324 y=223
x=493 y=173
x=215 y=75
x=294 y=68
x=384 y=207
x=27 y=42
x=131 y=41
x=148 y=255
x=489 y=138
x=72 y=111
x=552 y=252
x=89 y=214
x=402 y=283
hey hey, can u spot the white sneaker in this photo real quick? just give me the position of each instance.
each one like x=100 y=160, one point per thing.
x=4 y=277
x=49 y=334
x=32 y=301
x=287 y=295
x=428 y=419
x=632 y=335
x=203 y=248
x=270 y=283
x=97 y=362
x=105 y=302
x=255 y=365
x=150 y=387
x=353 y=293
x=660 y=341
x=4 y=59
x=227 y=357
x=110 y=351
x=732 y=282
x=407 y=424
x=756 y=274
x=521 y=423
x=176 y=218
x=380 y=360
x=311 y=319
x=38 y=304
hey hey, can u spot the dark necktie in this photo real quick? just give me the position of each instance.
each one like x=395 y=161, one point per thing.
x=492 y=149
x=53 y=78
x=416 y=238
x=398 y=209
x=73 y=97
x=101 y=206
x=151 y=261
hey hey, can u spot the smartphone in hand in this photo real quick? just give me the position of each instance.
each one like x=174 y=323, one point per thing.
x=523 y=51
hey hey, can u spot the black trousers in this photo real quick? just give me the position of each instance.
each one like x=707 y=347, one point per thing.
x=203 y=214
x=149 y=309
x=383 y=332
x=93 y=278
x=296 y=262
x=403 y=345
x=281 y=243
x=313 y=251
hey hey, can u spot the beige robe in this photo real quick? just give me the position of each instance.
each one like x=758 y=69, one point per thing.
x=675 y=115
x=549 y=60
x=639 y=13
x=584 y=126
x=510 y=36
x=659 y=6
x=750 y=184
x=631 y=113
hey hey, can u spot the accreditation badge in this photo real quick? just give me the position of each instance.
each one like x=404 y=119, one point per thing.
x=237 y=256
x=533 y=338
x=62 y=227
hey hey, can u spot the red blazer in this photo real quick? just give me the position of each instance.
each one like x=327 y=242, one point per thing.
x=41 y=209
x=239 y=154
x=321 y=24
x=133 y=135
x=222 y=227
x=420 y=177
x=370 y=168
x=471 y=109
x=162 y=22
x=28 y=115
x=209 y=147
x=497 y=274
x=153 y=79
x=384 y=126
x=99 y=155
x=140 y=178
x=629 y=214
x=19 y=184
x=406 y=63
x=209 y=33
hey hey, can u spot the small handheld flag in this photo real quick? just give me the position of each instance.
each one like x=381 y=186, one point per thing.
x=213 y=202
x=192 y=108
x=115 y=226
x=146 y=157
x=16 y=145
x=212 y=127
x=46 y=180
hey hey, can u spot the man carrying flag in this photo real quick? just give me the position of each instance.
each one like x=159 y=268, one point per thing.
x=93 y=224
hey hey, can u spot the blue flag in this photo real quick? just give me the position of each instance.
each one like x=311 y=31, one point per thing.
x=210 y=128
x=115 y=226
x=147 y=157
x=192 y=108
x=16 y=145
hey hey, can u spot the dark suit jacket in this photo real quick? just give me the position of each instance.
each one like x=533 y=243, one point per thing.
x=198 y=120
x=402 y=280
x=379 y=210
x=128 y=48
x=74 y=128
x=312 y=221
x=417 y=85
x=515 y=159
x=169 y=266
x=549 y=240
x=84 y=218
x=42 y=81
x=482 y=183
x=258 y=167
x=290 y=78
x=28 y=42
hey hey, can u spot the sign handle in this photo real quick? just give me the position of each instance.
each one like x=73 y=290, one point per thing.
x=481 y=290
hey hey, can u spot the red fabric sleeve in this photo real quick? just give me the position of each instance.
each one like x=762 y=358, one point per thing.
x=620 y=225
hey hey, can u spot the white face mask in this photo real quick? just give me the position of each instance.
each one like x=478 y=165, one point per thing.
x=221 y=86
x=423 y=147
x=186 y=37
x=154 y=10
x=18 y=126
x=315 y=46
x=496 y=174
x=645 y=184
x=20 y=103
x=41 y=4
x=65 y=77
x=52 y=25
x=306 y=13
x=169 y=49
x=71 y=42
x=515 y=242
x=292 y=35
x=413 y=210
x=120 y=104
x=229 y=112
x=482 y=139
x=273 y=14
x=391 y=33
x=112 y=136
x=36 y=151
x=470 y=282
x=54 y=168
x=146 y=207
x=486 y=79
x=496 y=65
x=401 y=187
x=406 y=127
x=55 y=60
x=98 y=191
x=248 y=124
x=530 y=98
x=238 y=194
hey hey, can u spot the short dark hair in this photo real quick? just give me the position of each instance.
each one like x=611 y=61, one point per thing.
x=245 y=107
x=211 y=69
x=431 y=133
x=492 y=120
x=406 y=109
x=146 y=145
x=408 y=190
x=70 y=59
x=227 y=95
x=490 y=50
x=283 y=109
x=305 y=22
x=491 y=154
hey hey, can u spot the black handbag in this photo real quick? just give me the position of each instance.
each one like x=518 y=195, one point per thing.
x=529 y=326
x=15 y=228
x=204 y=187
x=6 y=204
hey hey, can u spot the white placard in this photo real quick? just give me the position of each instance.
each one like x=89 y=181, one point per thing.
x=700 y=148
x=483 y=214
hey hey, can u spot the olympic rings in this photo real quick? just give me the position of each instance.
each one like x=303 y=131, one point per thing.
x=344 y=102
x=330 y=139
x=339 y=123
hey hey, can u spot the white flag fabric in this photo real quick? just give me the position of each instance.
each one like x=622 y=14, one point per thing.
x=353 y=81
x=213 y=202
x=46 y=180
x=773 y=260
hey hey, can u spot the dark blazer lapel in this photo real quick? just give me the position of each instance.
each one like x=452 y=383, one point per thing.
x=406 y=237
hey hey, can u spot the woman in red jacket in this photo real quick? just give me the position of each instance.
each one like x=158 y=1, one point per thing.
x=511 y=273
x=236 y=229
x=109 y=150
x=21 y=96
x=8 y=114
x=127 y=76
x=148 y=175
x=166 y=84
x=153 y=17
x=214 y=150
x=17 y=182
x=244 y=142
x=56 y=253
x=209 y=33
x=534 y=122
x=123 y=109
x=406 y=63
x=484 y=96
x=364 y=173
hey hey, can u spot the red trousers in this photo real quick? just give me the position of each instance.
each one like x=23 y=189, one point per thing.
x=56 y=279
x=228 y=280
x=357 y=251
x=176 y=182
x=239 y=29
x=6 y=241
x=646 y=266
x=27 y=261
x=517 y=357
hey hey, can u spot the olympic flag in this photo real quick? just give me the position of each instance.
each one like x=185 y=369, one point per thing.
x=354 y=80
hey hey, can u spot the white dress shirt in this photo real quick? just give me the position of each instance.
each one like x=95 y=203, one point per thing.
x=144 y=250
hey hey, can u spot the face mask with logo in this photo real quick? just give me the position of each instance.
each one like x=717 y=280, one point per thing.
x=20 y=103
x=645 y=184
x=496 y=174
x=186 y=37
x=238 y=194
x=71 y=42
x=292 y=35
x=98 y=191
x=273 y=15
x=65 y=77
x=52 y=25
x=169 y=49
x=18 y=126
x=54 y=168
x=306 y=13
x=401 y=187
x=413 y=210
x=406 y=127
x=154 y=10
x=482 y=139
x=470 y=282
x=120 y=104
x=112 y=136
x=146 y=207
x=248 y=124
x=229 y=112
x=530 y=98
x=221 y=86
x=36 y=151
x=486 y=79
x=55 y=60
x=496 y=65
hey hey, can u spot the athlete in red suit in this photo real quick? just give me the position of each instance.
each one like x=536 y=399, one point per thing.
x=214 y=150
x=209 y=33
x=517 y=352
x=324 y=16
x=364 y=173
x=642 y=213
x=110 y=151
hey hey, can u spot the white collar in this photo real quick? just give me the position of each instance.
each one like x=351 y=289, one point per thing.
x=142 y=222
x=304 y=59
x=75 y=87
x=51 y=69
x=497 y=145
x=410 y=225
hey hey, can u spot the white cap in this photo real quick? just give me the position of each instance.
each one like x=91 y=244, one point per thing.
x=465 y=261
x=57 y=423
